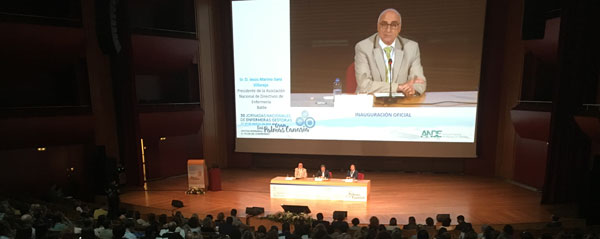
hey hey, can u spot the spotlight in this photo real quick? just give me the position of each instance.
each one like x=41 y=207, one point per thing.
x=41 y=149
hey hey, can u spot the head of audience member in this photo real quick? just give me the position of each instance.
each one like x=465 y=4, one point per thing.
x=193 y=222
x=162 y=219
x=441 y=231
x=151 y=218
x=262 y=229
x=248 y=235
x=137 y=215
x=221 y=217
x=319 y=216
x=389 y=25
x=373 y=222
x=526 y=235
x=422 y=234
x=470 y=234
x=383 y=235
x=272 y=234
x=412 y=221
x=445 y=235
x=320 y=232
x=300 y=165
x=210 y=216
x=429 y=222
x=396 y=233
x=460 y=219
x=229 y=221
x=207 y=223
x=129 y=224
x=352 y=167
x=381 y=227
x=446 y=222
x=233 y=212
x=393 y=221
x=355 y=221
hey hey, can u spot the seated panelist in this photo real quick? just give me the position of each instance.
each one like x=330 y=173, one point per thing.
x=323 y=172
x=352 y=173
x=300 y=171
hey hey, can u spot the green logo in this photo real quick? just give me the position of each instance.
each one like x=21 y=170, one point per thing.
x=431 y=134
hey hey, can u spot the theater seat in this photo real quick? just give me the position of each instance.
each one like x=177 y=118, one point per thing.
x=361 y=176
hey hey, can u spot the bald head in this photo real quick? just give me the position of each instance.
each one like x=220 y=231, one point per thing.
x=388 y=25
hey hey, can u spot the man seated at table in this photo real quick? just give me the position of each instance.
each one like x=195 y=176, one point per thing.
x=352 y=173
x=323 y=173
x=300 y=171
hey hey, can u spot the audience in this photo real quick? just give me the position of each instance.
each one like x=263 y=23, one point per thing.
x=412 y=224
x=31 y=221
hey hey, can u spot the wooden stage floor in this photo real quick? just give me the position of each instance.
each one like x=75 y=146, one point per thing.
x=481 y=200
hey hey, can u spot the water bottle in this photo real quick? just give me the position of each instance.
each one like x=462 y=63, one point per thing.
x=337 y=87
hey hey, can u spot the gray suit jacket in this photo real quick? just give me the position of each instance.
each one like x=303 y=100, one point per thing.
x=370 y=67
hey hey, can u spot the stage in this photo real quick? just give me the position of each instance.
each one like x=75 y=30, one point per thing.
x=481 y=200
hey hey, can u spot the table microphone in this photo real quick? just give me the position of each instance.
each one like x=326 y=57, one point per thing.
x=390 y=77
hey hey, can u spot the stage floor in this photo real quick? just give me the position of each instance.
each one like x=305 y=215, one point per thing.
x=481 y=200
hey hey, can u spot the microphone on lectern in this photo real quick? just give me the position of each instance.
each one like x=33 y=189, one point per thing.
x=390 y=77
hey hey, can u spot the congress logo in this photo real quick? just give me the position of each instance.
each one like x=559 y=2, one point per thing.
x=305 y=120
x=431 y=134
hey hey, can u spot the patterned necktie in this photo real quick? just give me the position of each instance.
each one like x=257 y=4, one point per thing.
x=388 y=50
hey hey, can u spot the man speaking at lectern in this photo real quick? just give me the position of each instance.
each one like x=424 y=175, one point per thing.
x=385 y=58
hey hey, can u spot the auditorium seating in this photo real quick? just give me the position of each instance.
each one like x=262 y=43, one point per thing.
x=78 y=220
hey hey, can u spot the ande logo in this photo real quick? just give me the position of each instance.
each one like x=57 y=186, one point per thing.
x=431 y=134
x=305 y=120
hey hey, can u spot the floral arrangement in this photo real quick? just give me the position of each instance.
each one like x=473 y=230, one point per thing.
x=290 y=217
x=194 y=190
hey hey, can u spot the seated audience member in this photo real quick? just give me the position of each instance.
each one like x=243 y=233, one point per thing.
x=352 y=172
x=422 y=234
x=150 y=233
x=118 y=231
x=103 y=229
x=507 y=232
x=323 y=172
x=373 y=223
x=261 y=232
x=319 y=232
x=207 y=225
x=300 y=171
x=383 y=234
x=340 y=223
x=412 y=224
x=286 y=232
x=193 y=224
x=525 y=235
x=129 y=229
x=355 y=223
x=139 y=221
x=227 y=228
x=300 y=228
x=273 y=233
x=446 y=223
x=162 y=221
x=320 y=221
x=87 y=233
x=429 y=224
x=393 y=224
x=220 y=219
x=462 y=225
x=236 y=221
x=440 y=232
x=555 y=223
x=470 y=234
x=396 y=233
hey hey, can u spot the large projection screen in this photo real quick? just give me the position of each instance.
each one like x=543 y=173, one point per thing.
x=289 y=53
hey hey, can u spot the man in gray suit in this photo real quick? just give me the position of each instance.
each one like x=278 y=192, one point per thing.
x=385 y=57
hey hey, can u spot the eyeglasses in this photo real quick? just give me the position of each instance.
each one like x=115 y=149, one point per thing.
x=393 y=25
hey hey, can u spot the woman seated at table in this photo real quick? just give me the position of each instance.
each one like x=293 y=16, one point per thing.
x=300 y=171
